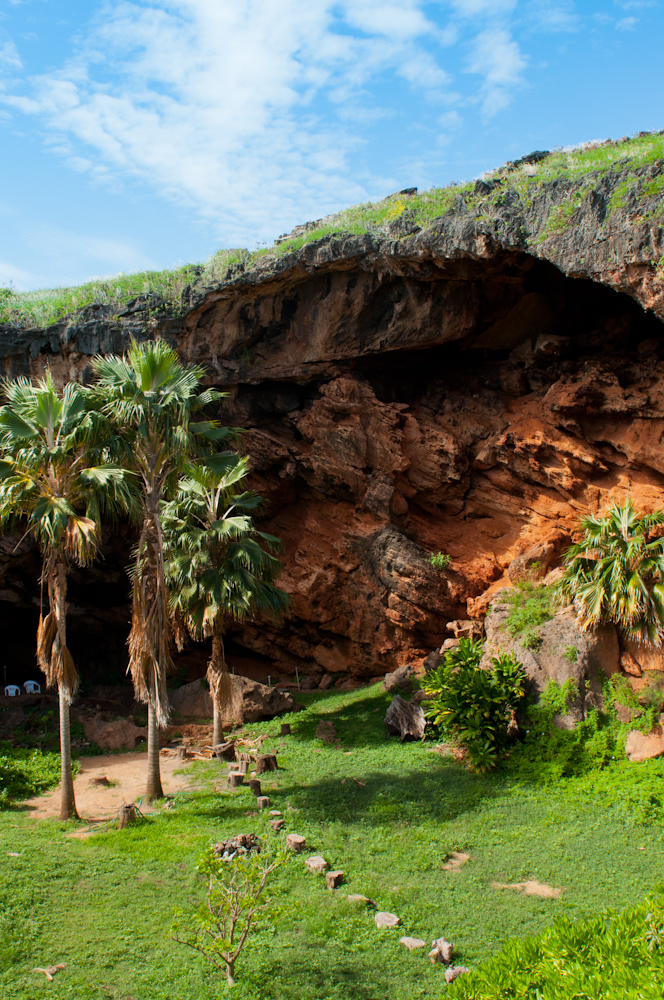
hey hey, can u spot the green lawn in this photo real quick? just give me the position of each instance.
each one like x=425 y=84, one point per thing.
x=386 y=813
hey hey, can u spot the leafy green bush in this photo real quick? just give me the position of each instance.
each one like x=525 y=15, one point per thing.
x=476 y=705
x=440 y=560
x=26 y=772
x=531 y=606
x=550 y=752
x=614 y=956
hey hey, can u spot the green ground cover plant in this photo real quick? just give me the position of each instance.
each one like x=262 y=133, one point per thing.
x=440 y=560
x=531 y=605
x=387 y=813
x=166 y=292
x=24 y=773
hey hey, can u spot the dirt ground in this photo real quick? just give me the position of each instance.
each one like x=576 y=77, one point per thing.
x=99 y=802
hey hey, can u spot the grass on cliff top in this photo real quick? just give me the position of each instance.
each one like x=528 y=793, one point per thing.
x=386 y=813
x=44 y=307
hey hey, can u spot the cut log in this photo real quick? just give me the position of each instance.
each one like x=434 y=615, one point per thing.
x=316 y=864
x=334 y=879
x=182 y=753
x=266 y=762
x=405 y=719
x=285 y=729
x=277 y=824
x=235 y=778
x=255 y=786
x=242 y=766
x=295 y=842
x=263 y=802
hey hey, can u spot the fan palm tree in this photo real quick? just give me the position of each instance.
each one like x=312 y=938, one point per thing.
x=47 y=443
x=615 y=573
x=150 y=396
x=219 y=565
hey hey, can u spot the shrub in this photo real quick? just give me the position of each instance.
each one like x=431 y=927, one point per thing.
x=612 y=956
x=476 y=705
x=531 y=606
x=26 y=772
x=440 y=560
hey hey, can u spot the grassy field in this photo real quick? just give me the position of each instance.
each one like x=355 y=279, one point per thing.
x=163 y=290
x=387 y=814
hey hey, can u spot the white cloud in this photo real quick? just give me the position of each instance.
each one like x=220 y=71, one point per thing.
x=496 y=56
x=9 y=57
x=16 y=276
x=627 y=24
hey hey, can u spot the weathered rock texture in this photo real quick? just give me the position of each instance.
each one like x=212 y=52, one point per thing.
x=251 y=701
x=472 y=389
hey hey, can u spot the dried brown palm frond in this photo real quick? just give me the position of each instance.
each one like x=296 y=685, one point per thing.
x=68 y=678
x=46 y=632
x=149 y=648
x=221 y=686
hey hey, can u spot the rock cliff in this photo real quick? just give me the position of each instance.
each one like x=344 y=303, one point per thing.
x=471 y=387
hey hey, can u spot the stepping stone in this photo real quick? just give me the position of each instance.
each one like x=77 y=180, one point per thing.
x=358 y=900
x=441 y=951
x=277 y=824
x=384 y=919
x=412 y=943
x=334 y=879
x=317 y=864
x=275 y=812
x=262 y=801
x=295 y=842
x=454 y=971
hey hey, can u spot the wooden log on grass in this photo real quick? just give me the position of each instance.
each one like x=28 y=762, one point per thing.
x=255 y=787
x=405 y=719
x=225 y=751
x=285 y=729
x=266 y=762
x=235 y=778
x=263 y=802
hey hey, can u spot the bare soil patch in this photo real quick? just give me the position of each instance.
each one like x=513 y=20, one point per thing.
x=125 y=774
x=531 y=888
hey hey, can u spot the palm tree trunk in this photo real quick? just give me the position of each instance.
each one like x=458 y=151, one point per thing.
x=154 y=789
x=217 y=726
x=67 y=800
x=221 y=687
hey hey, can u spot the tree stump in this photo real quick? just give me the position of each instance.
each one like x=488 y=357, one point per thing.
x=285 y=729
x=235 y=778
x=295 y=842
x=127 y=815
x=182 y=753
x=225 y=751
x=266 y=762
x=255 y=787
x=263 y=802
x=334 y=879
x=242 y=766
x=277 y=824
x=405 y=719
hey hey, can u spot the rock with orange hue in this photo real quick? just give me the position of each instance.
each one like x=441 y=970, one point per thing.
x=629 y=665
x=114 y=734
x=643 y=746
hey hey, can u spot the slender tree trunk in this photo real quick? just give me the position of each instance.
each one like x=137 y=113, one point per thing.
x=67 y=801
x=217 y=727
x=154 y=789
x=230 y=972
x=216 y=667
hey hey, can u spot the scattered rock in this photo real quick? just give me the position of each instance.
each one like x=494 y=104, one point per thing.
x=642 y=746
x=316 y=864
x=350 y=684
x=113 y=735
x=384 y=919
x=334 y=879
x=242 y=843
x=295 y=842
x=359 y=900
x=399 y=678
x=250 y=702
x=405 y=719
x=454 y=971
x=433 y=661
x=456 y=860
x=466 y=628
x=412 y=943
x=326 y=682
x=276 y=812
x=531 y=888
x=441 y=951
x=326 y=731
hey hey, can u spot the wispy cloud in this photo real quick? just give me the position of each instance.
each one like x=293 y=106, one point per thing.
x=496 y=56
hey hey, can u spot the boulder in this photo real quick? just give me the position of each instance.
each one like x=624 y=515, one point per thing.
x=405 y=719
x=641 y=746
x=117 y=734
x=640 y=658
x=251 y=701
x=466 y=628
x=412 y=943
x=441 y=951
x=326 y=682
x=454 y=971
x=384 y=919
x=629 y=665
x=565 y=652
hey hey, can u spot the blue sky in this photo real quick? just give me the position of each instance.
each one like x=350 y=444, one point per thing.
x=144 y=134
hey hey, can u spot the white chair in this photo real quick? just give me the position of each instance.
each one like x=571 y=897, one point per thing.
x=12 y=690
x=32 y=687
